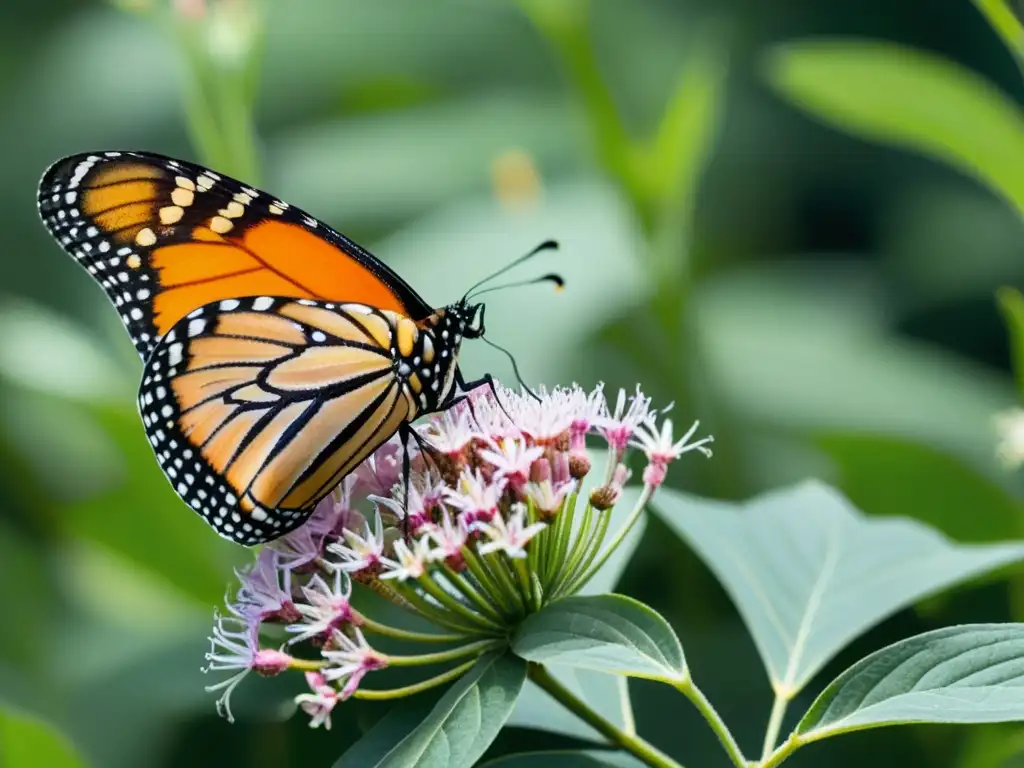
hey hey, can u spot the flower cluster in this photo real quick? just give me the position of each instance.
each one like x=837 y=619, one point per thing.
x=483 y=531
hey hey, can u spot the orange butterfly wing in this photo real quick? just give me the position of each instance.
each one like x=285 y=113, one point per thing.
x=164 y=237
x=257 y=408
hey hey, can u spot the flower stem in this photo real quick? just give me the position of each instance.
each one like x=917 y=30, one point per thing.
x=438 y=614
x=638 y=747
x=456 y=606
x=785 y=750
x=470 y=593
x=1002 y=19
x=488 y=581
x=410 y=690
x=306 y=665
x=403 y=634
x=419 y=660
x=771 y=734
x=710 y=714
x=611 y=546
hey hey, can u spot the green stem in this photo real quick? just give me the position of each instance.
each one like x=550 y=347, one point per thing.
x=636 y=746
x=488 y=581
x=455 y=606
x=497 y=567
x=1003 y=20
x=437 y=614
x=784 y=752
x=710 y=714
x=611 y=546
x=306 y=665
x=410 y=690
x=422 y=659
x=365 y=622
x=771 y=734
x=470 y=593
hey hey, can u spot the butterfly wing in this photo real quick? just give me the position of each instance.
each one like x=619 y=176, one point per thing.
x=164 y=237
x=257 y=408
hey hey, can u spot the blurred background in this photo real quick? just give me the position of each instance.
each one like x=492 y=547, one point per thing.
x=824 y=304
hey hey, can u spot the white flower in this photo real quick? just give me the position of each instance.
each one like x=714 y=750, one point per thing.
x=261 y=594
x=425 y=493
x=234 y=647
x=548 y=496
x=412 y=562
x=450 y=536
x=659 y=446
x=618 y=425
x=350 y=660
x=451 y=431
x=361 y=552
x=511 y=459
x=476 y=498
x=510 y=537
x=1010 y=426
x=326 y=608
x=319 y=704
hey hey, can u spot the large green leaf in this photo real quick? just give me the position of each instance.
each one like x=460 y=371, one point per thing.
x=809 y=572
x=885 y=475
x=459 y=728
x=26 y=742
x=966 y=674
x=1011 y=304
x=909 y=98
x=605 y=633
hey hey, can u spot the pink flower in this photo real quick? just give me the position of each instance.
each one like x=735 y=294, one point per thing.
x=450 y=536
x=262 y=595
x=381 y=471
x=326 y=609
x=511 y=459
x=548 y=496
x=451 y=432
x=351 y=659
x=619 y=425
x=425 y=495
x=361 y=553
x=661 y=450
x=234 y=647
x=411 y=561
x=476 y=497
x=320 y=703
x=510 y=537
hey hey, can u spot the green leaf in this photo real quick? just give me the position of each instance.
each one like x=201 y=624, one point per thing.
x=1011 y=304
x=26 y=742
x=605 y=633
x=809 y=572
x=553 y=759
x=910 y=99
x=967 y=674
x=885 y=475
x=460 y=726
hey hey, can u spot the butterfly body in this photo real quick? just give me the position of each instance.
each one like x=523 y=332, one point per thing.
x=277 y=353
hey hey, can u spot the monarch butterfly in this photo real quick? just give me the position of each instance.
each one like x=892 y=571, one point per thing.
x=278 y=354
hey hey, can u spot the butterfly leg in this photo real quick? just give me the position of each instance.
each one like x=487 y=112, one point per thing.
x=468 y=386
x=404 y=432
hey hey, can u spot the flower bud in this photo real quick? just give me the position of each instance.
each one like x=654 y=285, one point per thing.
x=579 y=465
x=268 y=662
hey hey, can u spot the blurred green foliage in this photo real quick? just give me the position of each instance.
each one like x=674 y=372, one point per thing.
x=826 y=306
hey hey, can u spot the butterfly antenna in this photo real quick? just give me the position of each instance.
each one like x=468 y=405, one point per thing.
x=515 y=367
x=547 y=245
x=551 y=277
